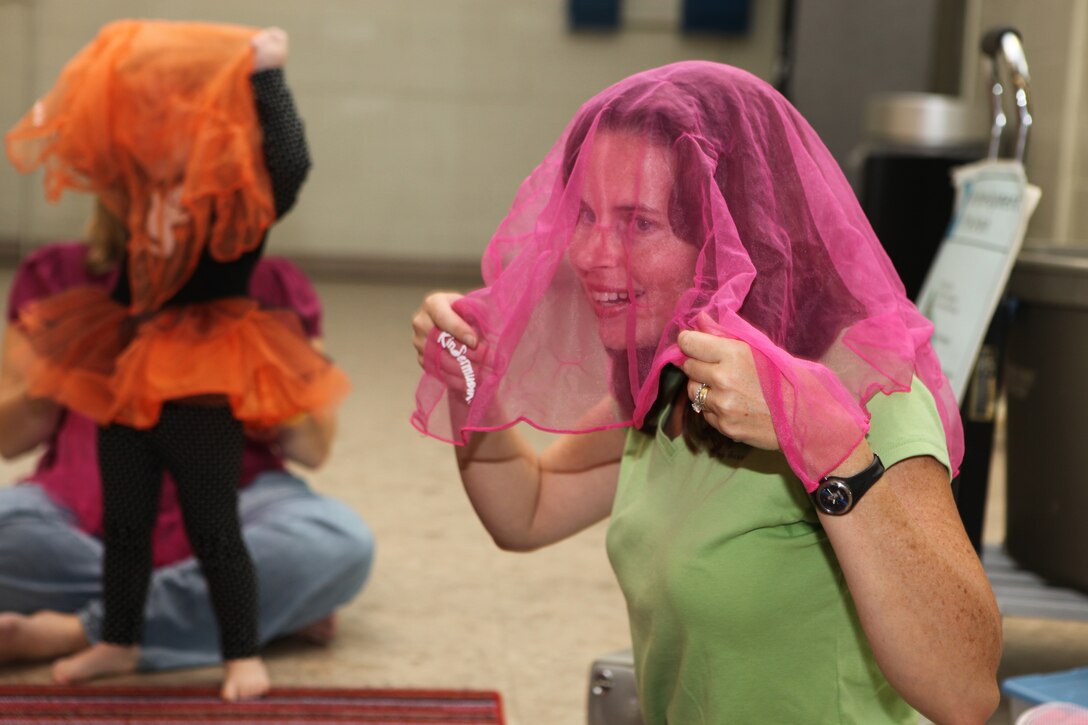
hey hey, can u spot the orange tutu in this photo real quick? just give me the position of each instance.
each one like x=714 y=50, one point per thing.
x=87 y=353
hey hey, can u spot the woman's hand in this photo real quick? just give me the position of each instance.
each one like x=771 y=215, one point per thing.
x=733 y=402
x=457 y=338
x=437 y=311
x=269 y=49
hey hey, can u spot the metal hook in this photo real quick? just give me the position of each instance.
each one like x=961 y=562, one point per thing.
x=1007 y=42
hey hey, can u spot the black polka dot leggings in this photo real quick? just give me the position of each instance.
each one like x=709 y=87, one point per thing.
x=201 y=447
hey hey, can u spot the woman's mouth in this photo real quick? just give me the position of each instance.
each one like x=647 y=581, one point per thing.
x=612 y=300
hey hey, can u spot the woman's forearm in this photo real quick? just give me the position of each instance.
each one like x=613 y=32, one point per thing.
x=25 y=423
x=501 y=475
x=527 y=500
x=921 y=593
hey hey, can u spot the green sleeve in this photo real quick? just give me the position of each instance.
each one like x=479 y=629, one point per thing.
x=905 y=425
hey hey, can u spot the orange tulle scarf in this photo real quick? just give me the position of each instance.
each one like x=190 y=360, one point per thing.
x=157 y=118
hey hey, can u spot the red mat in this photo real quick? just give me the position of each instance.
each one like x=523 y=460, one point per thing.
x=38 y=705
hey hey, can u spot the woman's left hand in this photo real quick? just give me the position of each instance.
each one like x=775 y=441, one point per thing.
x=733 y=402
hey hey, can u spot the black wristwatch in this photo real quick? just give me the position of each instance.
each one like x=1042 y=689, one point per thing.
x=836 y=495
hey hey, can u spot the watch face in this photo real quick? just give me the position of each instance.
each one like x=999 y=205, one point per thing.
x=834 y=497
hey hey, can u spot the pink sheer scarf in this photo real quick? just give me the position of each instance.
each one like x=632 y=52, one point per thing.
x=581 y=305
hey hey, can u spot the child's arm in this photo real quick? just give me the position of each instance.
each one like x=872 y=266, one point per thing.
x=286 y=153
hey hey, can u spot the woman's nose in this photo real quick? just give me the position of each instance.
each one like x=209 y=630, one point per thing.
x=597 y=246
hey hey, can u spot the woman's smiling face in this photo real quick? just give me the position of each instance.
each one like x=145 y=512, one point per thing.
x=631 y=264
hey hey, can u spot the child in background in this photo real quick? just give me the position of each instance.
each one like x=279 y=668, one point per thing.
x=188 y=135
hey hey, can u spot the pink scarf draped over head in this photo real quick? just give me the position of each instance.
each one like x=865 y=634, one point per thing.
x=785 y=261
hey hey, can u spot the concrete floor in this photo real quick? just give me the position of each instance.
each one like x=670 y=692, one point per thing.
x=445 y=608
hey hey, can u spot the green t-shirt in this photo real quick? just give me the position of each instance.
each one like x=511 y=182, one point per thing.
x=739 y=612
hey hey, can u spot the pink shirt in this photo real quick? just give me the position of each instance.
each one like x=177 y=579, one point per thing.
x=68 y=470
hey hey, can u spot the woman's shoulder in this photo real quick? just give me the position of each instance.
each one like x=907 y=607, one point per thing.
x=280 y=282
x=277 y=267
x=55 y=257
x=47 y=270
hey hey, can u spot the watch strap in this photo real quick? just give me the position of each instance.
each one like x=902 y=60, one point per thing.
x=837 y=495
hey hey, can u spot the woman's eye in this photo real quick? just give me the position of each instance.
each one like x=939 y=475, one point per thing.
x=643 y=224
x=586 y=216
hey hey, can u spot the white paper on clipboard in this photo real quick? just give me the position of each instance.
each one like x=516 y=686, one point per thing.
x=994 y=203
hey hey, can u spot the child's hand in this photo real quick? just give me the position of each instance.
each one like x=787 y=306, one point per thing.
x=269 y=49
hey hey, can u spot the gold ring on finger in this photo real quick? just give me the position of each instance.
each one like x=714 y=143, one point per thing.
x=699 y=404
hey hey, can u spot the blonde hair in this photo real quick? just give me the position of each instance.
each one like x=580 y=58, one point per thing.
x=106 y=236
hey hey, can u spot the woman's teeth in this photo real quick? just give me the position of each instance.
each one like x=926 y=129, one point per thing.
x=611 y=297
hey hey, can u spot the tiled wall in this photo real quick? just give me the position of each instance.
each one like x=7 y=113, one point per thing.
x=423 y=115
x=1055 y=35
x=15 y=85
x=849 y=50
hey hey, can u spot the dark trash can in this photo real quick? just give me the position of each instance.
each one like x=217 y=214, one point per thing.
x=904 y=184
x=1046 y=387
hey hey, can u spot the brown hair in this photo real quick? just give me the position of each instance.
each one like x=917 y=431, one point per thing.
x=106 y=236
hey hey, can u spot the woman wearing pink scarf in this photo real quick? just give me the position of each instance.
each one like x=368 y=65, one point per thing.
x=687 y=290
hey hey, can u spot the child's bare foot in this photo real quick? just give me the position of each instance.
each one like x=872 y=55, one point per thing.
x=98 y=660
x=40 y=636
x=245 y=679
x=320 y=632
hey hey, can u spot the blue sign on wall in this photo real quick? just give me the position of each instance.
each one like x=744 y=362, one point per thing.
x=716 y=16
x=594 y=14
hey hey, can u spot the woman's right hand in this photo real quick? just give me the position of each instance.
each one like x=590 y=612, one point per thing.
x=437 y=311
